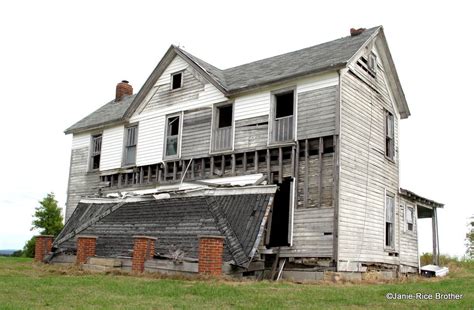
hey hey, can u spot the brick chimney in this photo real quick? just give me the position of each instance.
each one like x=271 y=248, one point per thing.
x=123 y=89
x=356 y=32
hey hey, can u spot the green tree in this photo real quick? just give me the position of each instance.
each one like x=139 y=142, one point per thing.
x=470 y=238
x=47 y=219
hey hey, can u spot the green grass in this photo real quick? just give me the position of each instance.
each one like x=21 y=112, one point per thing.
x=26 y=285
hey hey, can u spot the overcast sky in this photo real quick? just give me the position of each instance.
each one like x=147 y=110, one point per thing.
x=61 y=60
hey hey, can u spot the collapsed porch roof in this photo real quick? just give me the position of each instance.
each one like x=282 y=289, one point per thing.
x=237 y=213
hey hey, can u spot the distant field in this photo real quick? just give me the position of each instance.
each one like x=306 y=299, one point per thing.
x=26 y=285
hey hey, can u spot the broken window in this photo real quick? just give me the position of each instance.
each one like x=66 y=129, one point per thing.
x=389 y=135
x=130 y=145
x=283 y=109
x=389 y=220
x=224 y=116
x=177 y=80
x=372 y=63
x=96 y=149
x=172 y=136
x=410 y=218
x=284 y=105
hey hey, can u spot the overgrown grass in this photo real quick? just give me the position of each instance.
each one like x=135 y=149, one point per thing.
x=26 y=285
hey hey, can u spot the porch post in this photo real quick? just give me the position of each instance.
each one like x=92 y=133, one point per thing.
x=434 y=224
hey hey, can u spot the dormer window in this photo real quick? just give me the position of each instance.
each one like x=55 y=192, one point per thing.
x=176 y=80
x=372 y=63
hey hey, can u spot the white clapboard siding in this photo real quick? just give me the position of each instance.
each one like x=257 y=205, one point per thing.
x=151 y=122
x=309 y=228
x=81 y=140
x=365 y=173
x=150 y=140
x=177 y=64
x=317 y=82
x=112 y=146
x=248 y=106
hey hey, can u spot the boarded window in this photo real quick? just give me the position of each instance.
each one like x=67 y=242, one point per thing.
x=131 y=145
x=96 y=149
x=389 y=135
x=410 y=218
x=284 y=105
x=389 y=220
x=172 y=136
x=177 y=80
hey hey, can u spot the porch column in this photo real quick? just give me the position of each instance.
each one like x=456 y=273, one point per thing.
x=434 y=225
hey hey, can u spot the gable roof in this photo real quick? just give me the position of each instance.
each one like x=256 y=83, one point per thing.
x=177 y=222
x=320 y=58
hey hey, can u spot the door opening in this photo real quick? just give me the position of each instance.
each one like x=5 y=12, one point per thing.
x=280 y=221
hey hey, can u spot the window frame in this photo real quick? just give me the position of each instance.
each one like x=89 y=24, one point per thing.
x=407 y=227
x=126 y=147
x=387 y=138
x=215 y=124
x=172 y=78
x=91 y=151
x=272 y=115
x=180 y=133
x=389 y=247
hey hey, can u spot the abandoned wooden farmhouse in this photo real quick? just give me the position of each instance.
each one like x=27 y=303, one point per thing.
x=290 y=164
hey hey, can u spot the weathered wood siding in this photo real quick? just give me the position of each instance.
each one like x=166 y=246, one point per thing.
x=250 y=106
x=408 y=239
x=317 y=113
x=81 y=182
x=365 y=172
x=196 y=93
x=196 y=135
x=112 y=148
x=314 y=180
x=312 y=233
x=251 y=133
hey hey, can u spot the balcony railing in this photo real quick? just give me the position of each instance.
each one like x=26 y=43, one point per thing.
x=222 y=139
x=282 y=129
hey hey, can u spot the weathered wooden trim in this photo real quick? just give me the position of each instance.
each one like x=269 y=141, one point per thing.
x=320 y=187
x=255 y=161
x=268 y=167
x=233 y=164
x=212 y=166
x=280 y=165
x=306 y=174
x=244 y=162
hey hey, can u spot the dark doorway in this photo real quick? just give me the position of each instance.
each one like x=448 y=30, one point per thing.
x=280 y=220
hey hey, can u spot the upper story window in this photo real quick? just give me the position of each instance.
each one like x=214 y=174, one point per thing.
x=283 y=106
x=177 y=80
x=389 y=220
x=96 y=149
x=389 y=135
x=222 y=131
x=130 y=152
x=410 y=217
x=372 y=63
x=172 y=136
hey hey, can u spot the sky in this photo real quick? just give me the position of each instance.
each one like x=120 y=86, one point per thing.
x=61 y=60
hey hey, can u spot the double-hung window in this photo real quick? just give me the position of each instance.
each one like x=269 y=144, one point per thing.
x=389 y=220
x=130 y=152
x=389 y=136
x=172 y=136
x=96 y=149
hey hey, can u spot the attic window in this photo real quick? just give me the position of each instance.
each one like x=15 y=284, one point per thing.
x=177 y=80
x=372 y=63
x=95 y=151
